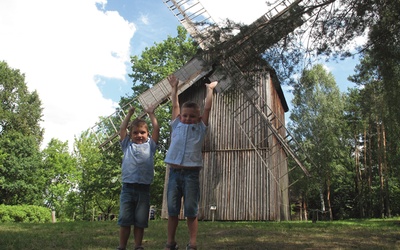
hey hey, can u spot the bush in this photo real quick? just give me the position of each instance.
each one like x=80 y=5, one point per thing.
x=24 y=213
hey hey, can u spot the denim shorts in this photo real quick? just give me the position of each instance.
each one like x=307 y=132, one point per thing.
x=134 y=205
x=183 y=183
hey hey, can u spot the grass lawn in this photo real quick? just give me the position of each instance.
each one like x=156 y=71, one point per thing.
x=349 y=234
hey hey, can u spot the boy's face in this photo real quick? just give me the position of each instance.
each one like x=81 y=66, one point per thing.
x=189 y=115
x=139 y=134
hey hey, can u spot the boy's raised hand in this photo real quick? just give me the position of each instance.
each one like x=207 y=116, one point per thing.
x=212 y=85
x=173 y=81
x=150 y=109
x=131 y=110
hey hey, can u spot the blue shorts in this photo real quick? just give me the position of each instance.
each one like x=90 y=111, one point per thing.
x=134 y=205
x=183 y=183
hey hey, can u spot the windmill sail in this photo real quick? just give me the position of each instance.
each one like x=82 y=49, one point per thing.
x=190 y=73
x=194 y=18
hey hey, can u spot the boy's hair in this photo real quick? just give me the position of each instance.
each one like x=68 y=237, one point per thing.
x=138 y=123
x=191 y=105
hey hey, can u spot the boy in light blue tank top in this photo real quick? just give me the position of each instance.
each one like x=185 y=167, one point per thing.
x=137 y=175
x=185 y=160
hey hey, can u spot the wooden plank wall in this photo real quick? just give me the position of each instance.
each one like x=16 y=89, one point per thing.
x=242 y=182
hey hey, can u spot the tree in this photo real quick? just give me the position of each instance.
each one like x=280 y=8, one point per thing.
x=60 y=172
x=98 y=183
x=316 y=122
x=378 y=138
x=335 y=27
x=385 y=54
x=20 y=139
x=157 y=62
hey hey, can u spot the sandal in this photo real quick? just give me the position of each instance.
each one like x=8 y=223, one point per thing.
x=173 y=246
x=189 y=247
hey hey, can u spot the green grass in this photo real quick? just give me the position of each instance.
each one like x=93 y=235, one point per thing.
x=349 y=234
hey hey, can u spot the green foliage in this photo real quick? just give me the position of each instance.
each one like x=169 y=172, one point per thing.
x=24 y=213
x=385 y=53
x=378 y=23
x=317 y=123
x=20 y=138
x=157 y=62
x=376 y=132
x=97 y=178
x=20 y=110
x=60 y=174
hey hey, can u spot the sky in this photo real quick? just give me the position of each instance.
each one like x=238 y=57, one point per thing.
x=76 y=53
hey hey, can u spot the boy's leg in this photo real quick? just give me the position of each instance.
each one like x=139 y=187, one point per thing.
x=138 y=233
x=141 y=213
x=192 y=224
x=191 y=203
x=174 y=198
x=124 y=233
x=125 y=216
x=172 y=226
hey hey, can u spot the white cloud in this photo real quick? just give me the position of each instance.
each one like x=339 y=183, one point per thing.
x=63 y=48
x=144 y=19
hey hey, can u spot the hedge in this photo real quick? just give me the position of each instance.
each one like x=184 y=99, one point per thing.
x=24 y=213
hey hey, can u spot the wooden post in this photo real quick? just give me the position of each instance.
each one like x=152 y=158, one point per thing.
x=213 y=208
x=53 y=216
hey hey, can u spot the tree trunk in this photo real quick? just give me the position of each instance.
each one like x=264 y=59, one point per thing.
x=358 y=180
x=380 y=169
x=304 y=203
x=385 y=172
x=328 y=197
x=369 y=194
x=321 y=196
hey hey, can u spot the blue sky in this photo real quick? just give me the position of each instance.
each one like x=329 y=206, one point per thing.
x=76 y=53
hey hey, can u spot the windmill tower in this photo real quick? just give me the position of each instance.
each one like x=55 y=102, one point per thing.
x=246 y=151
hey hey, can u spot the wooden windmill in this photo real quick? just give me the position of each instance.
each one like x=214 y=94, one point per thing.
x=245 y=174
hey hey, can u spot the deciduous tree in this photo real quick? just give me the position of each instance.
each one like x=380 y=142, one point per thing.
x=20 y=138
x=317 y=121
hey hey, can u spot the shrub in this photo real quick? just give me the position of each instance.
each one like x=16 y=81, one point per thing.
x=24 y=213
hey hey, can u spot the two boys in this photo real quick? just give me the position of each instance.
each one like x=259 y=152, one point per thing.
x=184 y=156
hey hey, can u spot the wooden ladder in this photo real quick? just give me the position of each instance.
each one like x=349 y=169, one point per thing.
x=259 y=125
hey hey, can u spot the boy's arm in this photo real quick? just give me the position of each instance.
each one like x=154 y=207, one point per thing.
x=173 y=81
x=156 y=128
x=124 y=124
x=208 y=102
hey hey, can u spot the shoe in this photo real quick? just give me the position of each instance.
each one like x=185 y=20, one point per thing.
x=120 y=248
x=139 y=248
x=172 y=246
x=189 y=247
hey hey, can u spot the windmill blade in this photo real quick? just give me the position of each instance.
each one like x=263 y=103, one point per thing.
x=199 y=24
x=191 y=72
x=194 y=18
x=265 y=31
x=270 y=28
x=279 y=21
